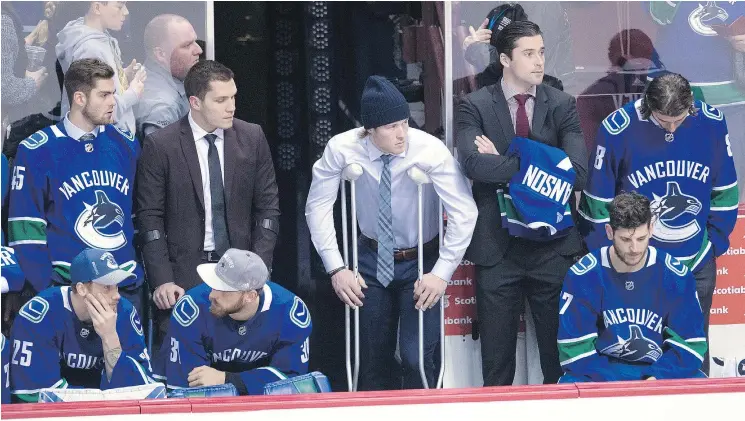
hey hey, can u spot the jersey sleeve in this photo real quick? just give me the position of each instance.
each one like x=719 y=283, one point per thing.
x=579 y=311
x=27 y=225
x=724 y=194
x=685 y=344
x=601 y=184
x=290 y=356
x=133 y=367
x=35 y=358
x=185 y=346
x=12 y=278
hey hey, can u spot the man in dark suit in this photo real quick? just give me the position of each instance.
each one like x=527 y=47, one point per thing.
x=204 y=184
x=509 y=269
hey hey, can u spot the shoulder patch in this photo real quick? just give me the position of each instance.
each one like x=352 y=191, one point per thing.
x=127 y=135
x=35 y=140
x=711 y=112
x=134 y=318
x=584 y=265
x=617 y=122
x=185 y=311
x=674 y=265
x=300 y=314
x=35 y=310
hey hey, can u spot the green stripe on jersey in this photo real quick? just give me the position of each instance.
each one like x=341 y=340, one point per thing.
x=594 y=208
x=726 y=198
x=570 y=350
x=697 y=348
x=25 y=230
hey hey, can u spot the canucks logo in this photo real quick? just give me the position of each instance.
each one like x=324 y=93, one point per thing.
x=706 y=15
x=635 y=348
x=675 y=212
x=101 y=225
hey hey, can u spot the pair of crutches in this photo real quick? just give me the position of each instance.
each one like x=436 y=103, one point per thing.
x=351 y=173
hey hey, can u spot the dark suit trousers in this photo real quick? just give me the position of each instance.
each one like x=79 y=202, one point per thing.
x=387 y=311
x=706 y=279
x=529 y=270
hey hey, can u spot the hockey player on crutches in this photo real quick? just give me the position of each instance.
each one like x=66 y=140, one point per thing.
x=392 y=295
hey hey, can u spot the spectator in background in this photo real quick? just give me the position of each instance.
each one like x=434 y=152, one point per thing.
x=171 y=48
x=80 y=336
x=237 y=328
x=85 y=167
x=89 y=37
x=19 y=83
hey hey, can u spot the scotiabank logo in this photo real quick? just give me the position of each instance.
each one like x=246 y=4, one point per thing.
x=735 y=251
x=465 y=301
x=460 y=282
x=731 y=290
x=465 y=262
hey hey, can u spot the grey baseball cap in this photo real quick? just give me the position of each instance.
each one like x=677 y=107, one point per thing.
x=237 y=270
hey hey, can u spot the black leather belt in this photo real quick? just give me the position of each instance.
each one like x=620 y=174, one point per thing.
x=210 y=257
x=404 y=254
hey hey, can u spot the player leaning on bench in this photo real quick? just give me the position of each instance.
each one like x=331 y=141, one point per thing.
x=237 y=328
x=83 y=335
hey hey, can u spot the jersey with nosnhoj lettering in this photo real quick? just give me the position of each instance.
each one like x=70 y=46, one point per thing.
x=69 y=195
x=52 y=348
x=629 y=326
x=689 y=177
x=272 y=345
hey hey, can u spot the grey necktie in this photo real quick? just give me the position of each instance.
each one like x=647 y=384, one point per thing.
x=385 y=225
x=217 y=194
x=87 y=137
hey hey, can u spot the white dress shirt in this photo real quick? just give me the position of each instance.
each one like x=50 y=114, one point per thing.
x=424 y=151
x=203 y=147
x=76 y=132
x=509 y=95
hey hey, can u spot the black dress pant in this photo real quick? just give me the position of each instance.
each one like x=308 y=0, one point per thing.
x=529 y=270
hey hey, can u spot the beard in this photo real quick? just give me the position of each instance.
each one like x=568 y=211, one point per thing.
x=627 y=258
x=97 y=120
x=219 y=311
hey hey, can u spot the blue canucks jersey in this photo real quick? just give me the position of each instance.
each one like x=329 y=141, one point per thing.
x=52 y=348
x=272 y=345
x=627 y=326
x=536 y=204
x=689 y=178
x=68 y=195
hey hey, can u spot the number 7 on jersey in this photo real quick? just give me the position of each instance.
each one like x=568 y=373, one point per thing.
x=568 y=297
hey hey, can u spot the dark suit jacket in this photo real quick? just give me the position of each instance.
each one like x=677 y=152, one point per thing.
x=485 y=112
x=170 y=199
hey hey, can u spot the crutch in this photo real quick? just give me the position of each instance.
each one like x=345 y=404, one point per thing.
x=351 y=173
x=421 y=178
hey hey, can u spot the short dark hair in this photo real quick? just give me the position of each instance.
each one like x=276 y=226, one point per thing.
x=507 y=38
x=197 y=81
x=670 y=95
x=630 y=211
x=83 y=75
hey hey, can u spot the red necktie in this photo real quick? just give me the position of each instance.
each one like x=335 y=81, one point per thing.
x=522 y=126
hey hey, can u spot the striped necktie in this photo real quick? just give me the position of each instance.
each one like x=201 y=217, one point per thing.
x=385 y=225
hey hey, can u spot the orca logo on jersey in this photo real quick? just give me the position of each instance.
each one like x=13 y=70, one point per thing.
x=673 y=205
x=92 y=224
x=704 y=16
x=136 y=323
x=635 y=348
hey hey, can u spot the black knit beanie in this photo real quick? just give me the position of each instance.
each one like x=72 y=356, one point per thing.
x=382 y=103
